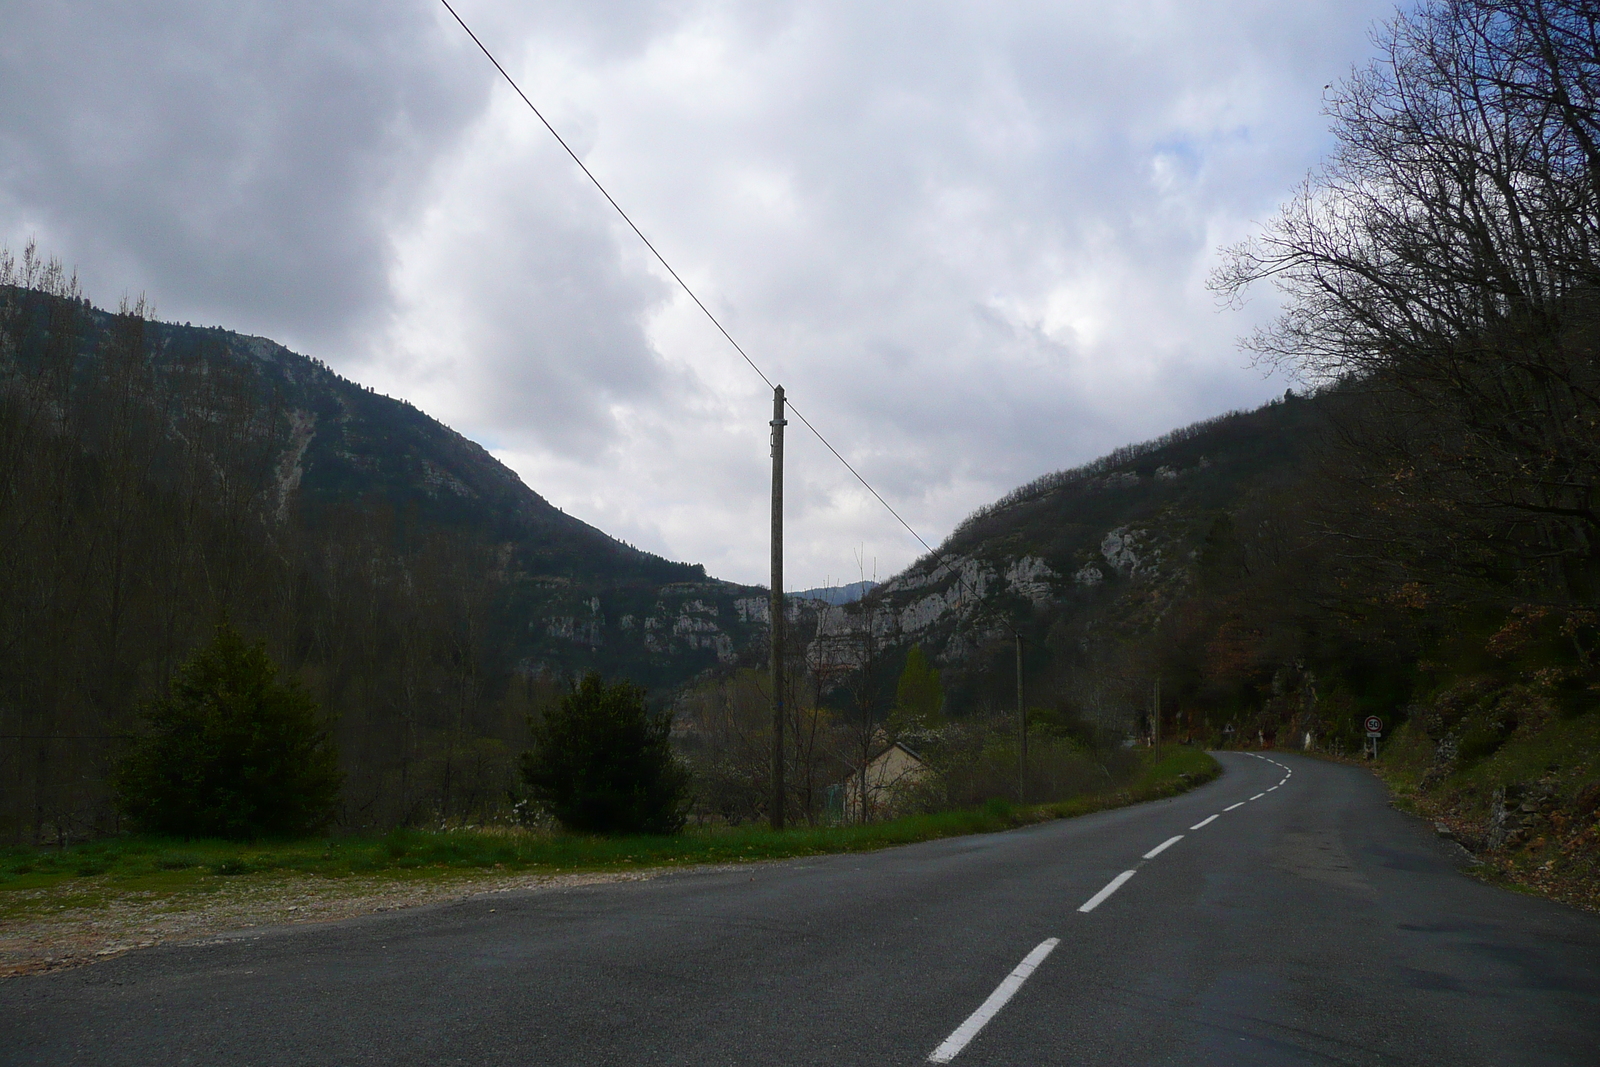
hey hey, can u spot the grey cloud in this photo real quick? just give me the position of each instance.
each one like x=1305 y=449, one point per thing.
x=968 y=237
x=547 y=327
x=241 y=161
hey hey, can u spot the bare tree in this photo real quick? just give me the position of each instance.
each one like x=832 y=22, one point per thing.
x=1444 y=261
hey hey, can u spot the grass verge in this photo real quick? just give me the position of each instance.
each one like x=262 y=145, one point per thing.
x=35 y=881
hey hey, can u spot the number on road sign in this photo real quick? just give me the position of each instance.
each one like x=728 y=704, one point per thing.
x=1374 y=725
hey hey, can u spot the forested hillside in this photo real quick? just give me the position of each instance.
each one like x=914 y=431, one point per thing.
x=156 y=479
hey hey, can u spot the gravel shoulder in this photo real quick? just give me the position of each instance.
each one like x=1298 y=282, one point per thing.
x=122 y=920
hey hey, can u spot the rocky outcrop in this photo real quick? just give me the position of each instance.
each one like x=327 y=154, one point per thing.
x=1089 y=575
x=963 y=584
x=1519 y=813
x=1120 y=548
x=1031 y=577
x=291 y=464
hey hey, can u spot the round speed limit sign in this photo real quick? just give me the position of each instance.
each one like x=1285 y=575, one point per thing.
x=1374 y=725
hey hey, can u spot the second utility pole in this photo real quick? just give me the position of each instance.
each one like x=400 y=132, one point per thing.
x=1022 y=731
x=775 y=610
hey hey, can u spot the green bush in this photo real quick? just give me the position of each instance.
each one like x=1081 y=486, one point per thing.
x=230 y=752
x=601 y=763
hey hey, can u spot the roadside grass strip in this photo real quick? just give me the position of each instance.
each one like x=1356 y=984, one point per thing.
x=1159 y=849
x=99 y=875
x=990 y=1008
x=1111 y=887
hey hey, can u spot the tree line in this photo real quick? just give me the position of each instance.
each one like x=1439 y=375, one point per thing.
x=1441 y=283
x=142 y=503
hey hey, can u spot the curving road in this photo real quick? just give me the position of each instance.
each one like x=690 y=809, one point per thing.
x=1283 y=914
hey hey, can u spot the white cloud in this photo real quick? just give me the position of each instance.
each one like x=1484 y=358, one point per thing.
x=969 y=238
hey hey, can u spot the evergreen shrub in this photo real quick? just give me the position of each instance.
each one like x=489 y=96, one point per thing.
x=600 y=763
x=230 y=751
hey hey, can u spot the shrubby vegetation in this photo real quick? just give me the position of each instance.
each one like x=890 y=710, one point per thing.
x=600 y=762
x=137 y=864
x=230 y=751
x=843 y=715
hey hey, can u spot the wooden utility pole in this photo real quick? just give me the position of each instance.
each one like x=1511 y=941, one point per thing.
x=776 y=608
x=1022 y=731
x=1155 y=713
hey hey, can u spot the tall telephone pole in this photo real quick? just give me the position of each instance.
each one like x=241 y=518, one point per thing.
x=776 y=609
x=1022 y=732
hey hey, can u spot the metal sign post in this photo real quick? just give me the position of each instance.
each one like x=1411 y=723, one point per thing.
x=1374 y=731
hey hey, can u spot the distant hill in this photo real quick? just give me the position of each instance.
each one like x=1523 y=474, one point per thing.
x=837 y=594
x=573 y=597
x=159 y=478
x=1080 y=559
x=576 y=597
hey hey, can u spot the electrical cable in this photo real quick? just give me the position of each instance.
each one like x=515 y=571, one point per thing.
x=675 y=277
x=697 y=301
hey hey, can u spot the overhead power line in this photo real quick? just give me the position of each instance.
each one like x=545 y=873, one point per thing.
x=675 y=276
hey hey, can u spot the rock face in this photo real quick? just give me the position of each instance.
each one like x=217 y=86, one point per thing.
x=1519 y=813
x=1120 y=548
x=1032 y=577
x=1077 y=561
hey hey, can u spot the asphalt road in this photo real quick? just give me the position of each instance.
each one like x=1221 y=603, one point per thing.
x=1312 y=924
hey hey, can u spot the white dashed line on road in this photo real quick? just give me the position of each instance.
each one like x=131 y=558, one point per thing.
x=997 y=1000
x=975 y=1022
x=1111 y=887
x=1159 y=849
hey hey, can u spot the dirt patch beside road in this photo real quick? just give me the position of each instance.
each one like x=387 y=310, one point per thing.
x=122 y=920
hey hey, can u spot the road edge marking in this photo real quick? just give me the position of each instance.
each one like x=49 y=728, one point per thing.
x=952 y=1045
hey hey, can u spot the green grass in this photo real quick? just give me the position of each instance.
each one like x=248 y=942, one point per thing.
x=83 y=873
x=1564 y=751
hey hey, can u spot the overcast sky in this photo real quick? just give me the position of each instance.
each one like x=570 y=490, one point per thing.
x=971 y=239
